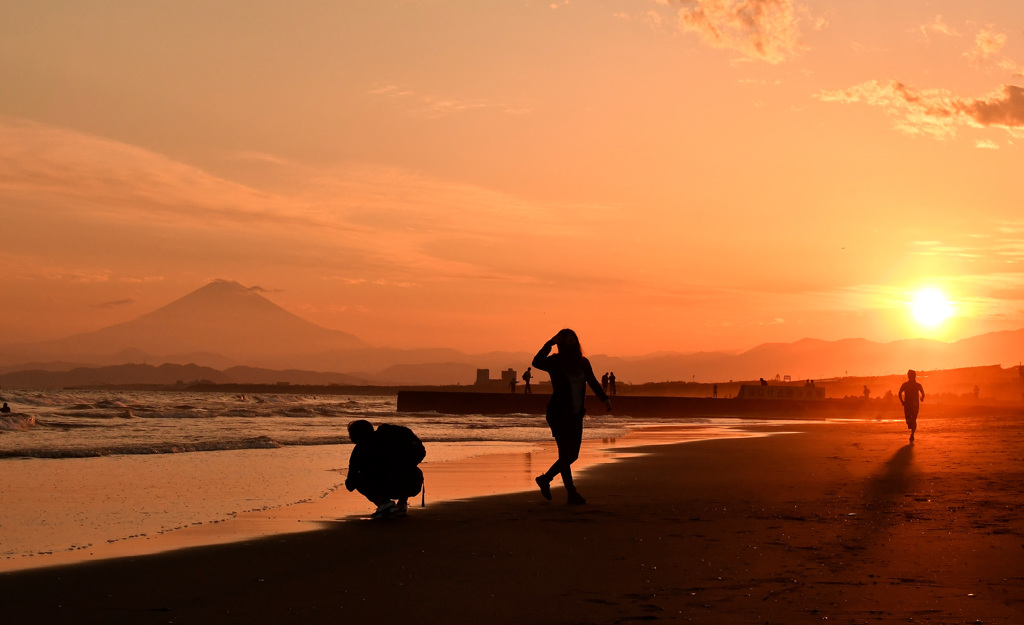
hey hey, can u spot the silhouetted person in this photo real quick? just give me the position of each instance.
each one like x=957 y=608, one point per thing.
x=764 y=382
x=611 y=383
x=867 y=392
x=714 y=390
x=604 y=382
x=911 y=394
x=570 y=373
x=527 y=376
x=977 y=391
x=383 y=466
x=5 y=409
x=512 y=384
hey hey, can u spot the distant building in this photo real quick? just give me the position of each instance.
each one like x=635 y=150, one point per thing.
x=483 y=378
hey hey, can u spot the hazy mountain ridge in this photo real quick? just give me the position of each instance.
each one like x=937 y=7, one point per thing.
x=227 y=329
x=165 y=374
x=169 y=374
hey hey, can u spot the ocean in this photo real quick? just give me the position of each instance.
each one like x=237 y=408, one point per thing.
x=81 y=471
x=84 y=424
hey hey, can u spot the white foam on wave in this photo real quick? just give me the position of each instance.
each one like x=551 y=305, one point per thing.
x=165 y=447
x=17 y=422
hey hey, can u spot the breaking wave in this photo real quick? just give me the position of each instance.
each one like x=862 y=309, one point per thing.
x=258 y=442
x=17 y=422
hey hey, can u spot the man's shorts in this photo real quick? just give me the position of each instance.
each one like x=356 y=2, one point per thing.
x=910 y=414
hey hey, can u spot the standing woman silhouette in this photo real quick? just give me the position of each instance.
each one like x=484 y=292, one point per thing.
x=570 y=374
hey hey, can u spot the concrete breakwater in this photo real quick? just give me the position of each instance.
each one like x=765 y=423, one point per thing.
x=637 y=405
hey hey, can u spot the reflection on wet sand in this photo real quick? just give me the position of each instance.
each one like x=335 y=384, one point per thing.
x=483 y=473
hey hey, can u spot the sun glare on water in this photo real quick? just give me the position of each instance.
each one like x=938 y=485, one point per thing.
x=930 y=307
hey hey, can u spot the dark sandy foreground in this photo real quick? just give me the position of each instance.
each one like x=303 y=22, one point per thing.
x=842 y=522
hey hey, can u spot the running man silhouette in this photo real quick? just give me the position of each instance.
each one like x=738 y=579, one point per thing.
x=911 y=394
x=570 y=373
x=527 y=376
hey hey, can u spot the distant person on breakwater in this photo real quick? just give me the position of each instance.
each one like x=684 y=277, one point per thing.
x=570 y=373
x=911 y=394
x=604 y=382
x=512 y=384
x=714 y=390
x=527 y=376
x=5 y=409
x=611 y=383
x=383 y=466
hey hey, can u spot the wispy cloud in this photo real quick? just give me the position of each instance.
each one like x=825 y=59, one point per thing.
x=987 y=52
x=766 y=30
x=987 y=46
x=986 y=284
x=937 y=25
x=938 y=248
x=76 y=276
x=989 y=296
x=657 y=21
x=115 y=303
x=395 y=225
x=977 y=296
x=936 y=112
x=939 y=112
x=432 y=106
x=119 y=181
x=1004 y=244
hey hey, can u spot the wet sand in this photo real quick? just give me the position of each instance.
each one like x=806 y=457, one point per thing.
x=840 y=522
x=66 y=511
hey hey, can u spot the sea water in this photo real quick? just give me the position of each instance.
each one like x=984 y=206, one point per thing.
x=84 y=469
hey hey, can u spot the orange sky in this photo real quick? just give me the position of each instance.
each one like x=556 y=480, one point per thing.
x=659 y=175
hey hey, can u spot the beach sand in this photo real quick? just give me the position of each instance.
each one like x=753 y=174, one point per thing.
x=836 y=522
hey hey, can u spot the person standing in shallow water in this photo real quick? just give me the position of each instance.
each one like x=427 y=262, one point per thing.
x=911 y=394
x=570 y=374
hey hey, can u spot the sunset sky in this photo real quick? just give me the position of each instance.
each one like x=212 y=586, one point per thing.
x=659 y=175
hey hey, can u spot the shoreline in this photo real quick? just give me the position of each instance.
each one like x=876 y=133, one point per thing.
x=844 y=522
x=459 y=470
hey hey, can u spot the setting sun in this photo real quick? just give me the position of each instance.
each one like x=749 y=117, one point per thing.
x=930 y=307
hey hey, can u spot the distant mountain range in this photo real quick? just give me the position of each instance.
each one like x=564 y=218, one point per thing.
x=817 y=359
x=226 y=329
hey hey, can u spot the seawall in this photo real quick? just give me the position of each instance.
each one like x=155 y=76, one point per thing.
x=643 y=406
